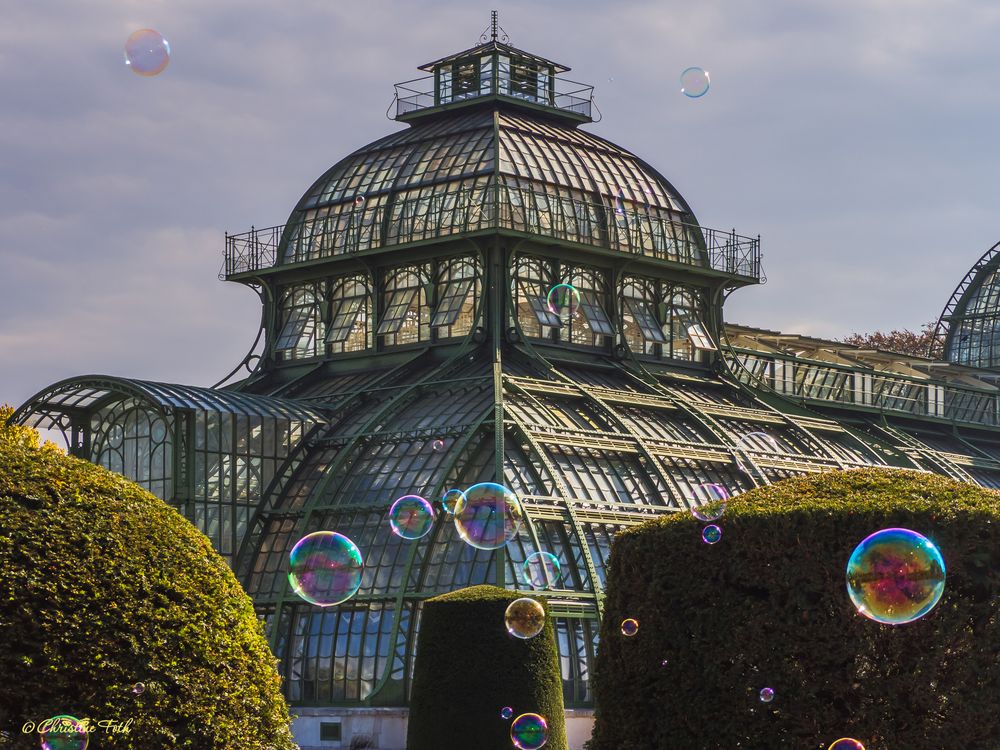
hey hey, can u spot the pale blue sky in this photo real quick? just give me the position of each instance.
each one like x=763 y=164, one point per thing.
x=857 y=137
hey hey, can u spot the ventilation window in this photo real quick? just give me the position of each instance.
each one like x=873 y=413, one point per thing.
x=595 y=314
x=396 y=310
x=644 y=318
x=299 y=327
x=451 y=303
x=700 y=338
x=545 y=316
x=344 y=319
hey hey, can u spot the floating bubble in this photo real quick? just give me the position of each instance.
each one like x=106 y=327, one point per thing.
x=630 y=627
x=488 y=516
x=529 y=732
x=359 y=201
x=766 y=695
x=147 y=52
x=712 y=500
x=694 y=82
x=563 y=300
x=846 y=743
x=450 y=500
x=438 y=446
x=541 y=570
x=524 y=618
x=758 y=441
x=63 y=732
x=138 y=688
x=711 y=534
x=325 y=568
x=895 y=576
x=663 y=663
x=506 y=712
x=411 y=517
x=620 y=202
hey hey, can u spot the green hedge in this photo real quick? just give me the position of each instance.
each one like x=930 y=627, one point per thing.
x=103 y=586
x=767 y=606
x=468 y=668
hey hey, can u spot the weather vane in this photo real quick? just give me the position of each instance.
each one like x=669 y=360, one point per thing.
x=494 y=31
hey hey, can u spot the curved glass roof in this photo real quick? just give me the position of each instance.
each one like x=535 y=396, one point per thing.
x=90 y=392
x=969 y=327
x=493 y=141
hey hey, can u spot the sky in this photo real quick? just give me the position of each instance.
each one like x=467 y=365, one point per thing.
x=857 y=137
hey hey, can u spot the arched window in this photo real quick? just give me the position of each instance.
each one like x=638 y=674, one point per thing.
x=532 y=279
x=301 y=331
x=350 y=315
x=689 y=338
x=405 y=314
x=641 y=328
x=590 y=323
x=459 y=289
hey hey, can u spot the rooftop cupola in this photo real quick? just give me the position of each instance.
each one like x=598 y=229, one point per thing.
x=494 y=71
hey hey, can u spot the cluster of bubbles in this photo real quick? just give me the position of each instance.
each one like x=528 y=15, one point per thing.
x=563 y=300
x=524 y=618
x=529 y=732
x=710 y=503
x=895 y=576
x=63 y=732
x=630 y=627
x=325 y=568
x=147 y=53
x=695 y=82
x=541 y=570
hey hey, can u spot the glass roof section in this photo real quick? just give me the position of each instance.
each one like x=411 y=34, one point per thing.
x=968 y=331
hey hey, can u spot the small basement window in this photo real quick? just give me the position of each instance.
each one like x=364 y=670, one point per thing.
x=329 y=731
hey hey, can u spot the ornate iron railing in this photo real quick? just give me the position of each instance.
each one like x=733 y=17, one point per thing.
x=645 y=231
x=866 y=388
x=564 y=94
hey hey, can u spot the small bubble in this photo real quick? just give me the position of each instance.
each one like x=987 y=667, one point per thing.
x=711 y=534
x=147 y=53
x=766 y=695
x=630 y=627
x=694 y=82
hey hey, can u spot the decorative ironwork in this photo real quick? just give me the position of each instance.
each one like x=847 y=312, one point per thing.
x=494 y=32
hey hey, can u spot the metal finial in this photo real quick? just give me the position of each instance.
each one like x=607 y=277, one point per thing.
x=494 y=31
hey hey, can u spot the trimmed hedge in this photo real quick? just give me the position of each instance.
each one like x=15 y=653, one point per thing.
x=103 y=586
x=767 y=606
x=468 y=668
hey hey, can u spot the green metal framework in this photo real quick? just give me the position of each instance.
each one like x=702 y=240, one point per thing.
x=968 y=331
x=404 y=309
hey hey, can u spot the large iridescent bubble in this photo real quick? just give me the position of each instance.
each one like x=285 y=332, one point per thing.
x=895 y=576
x=846 y=743
x=63 y=733
x=529 y=732
x=411 y=517
x=524 y=618
x=147 y=53
x=710 y=501
x=325 y=568
x=488 y=516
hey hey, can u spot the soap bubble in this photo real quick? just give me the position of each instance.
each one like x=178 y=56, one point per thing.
x=711 y=534
x=450 y=500
x=325 y=568
x=524 y=618
x=63 y=732
x=694 y=82
x=438 y=445
x=529 y=732
x=541 y=570
x=767 y=695
x=630 y=627
x=712 y=500
x=895 y=576
x=488 y=516
x=563 y=300
x=359 y=201
x=138 y=688
x=758 y=441
x=411 y=517
x=506 y=712
x=147 y=52
x=846 y=743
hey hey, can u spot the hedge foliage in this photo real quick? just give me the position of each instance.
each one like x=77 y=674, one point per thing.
x=767 y=606
x=468 y=668
x=104 y=587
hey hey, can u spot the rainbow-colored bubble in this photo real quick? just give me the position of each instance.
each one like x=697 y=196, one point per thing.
x=630 y=627
x=846 y=743
x=411 y=517
x=766 y=695
x=488 y=516
x=147 y=53
x=712 y=500
x=895 y=576
x=450 y=500
x=506 y=712
x=711 y=534
x=524 y=618
x=695 y=82
x=563 y=300
x=324 y=568
x=529 y=732
x=63 y=732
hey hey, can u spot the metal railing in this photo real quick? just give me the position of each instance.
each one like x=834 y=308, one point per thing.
x=567 y=95
x=615 y=226
x=866 y=388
